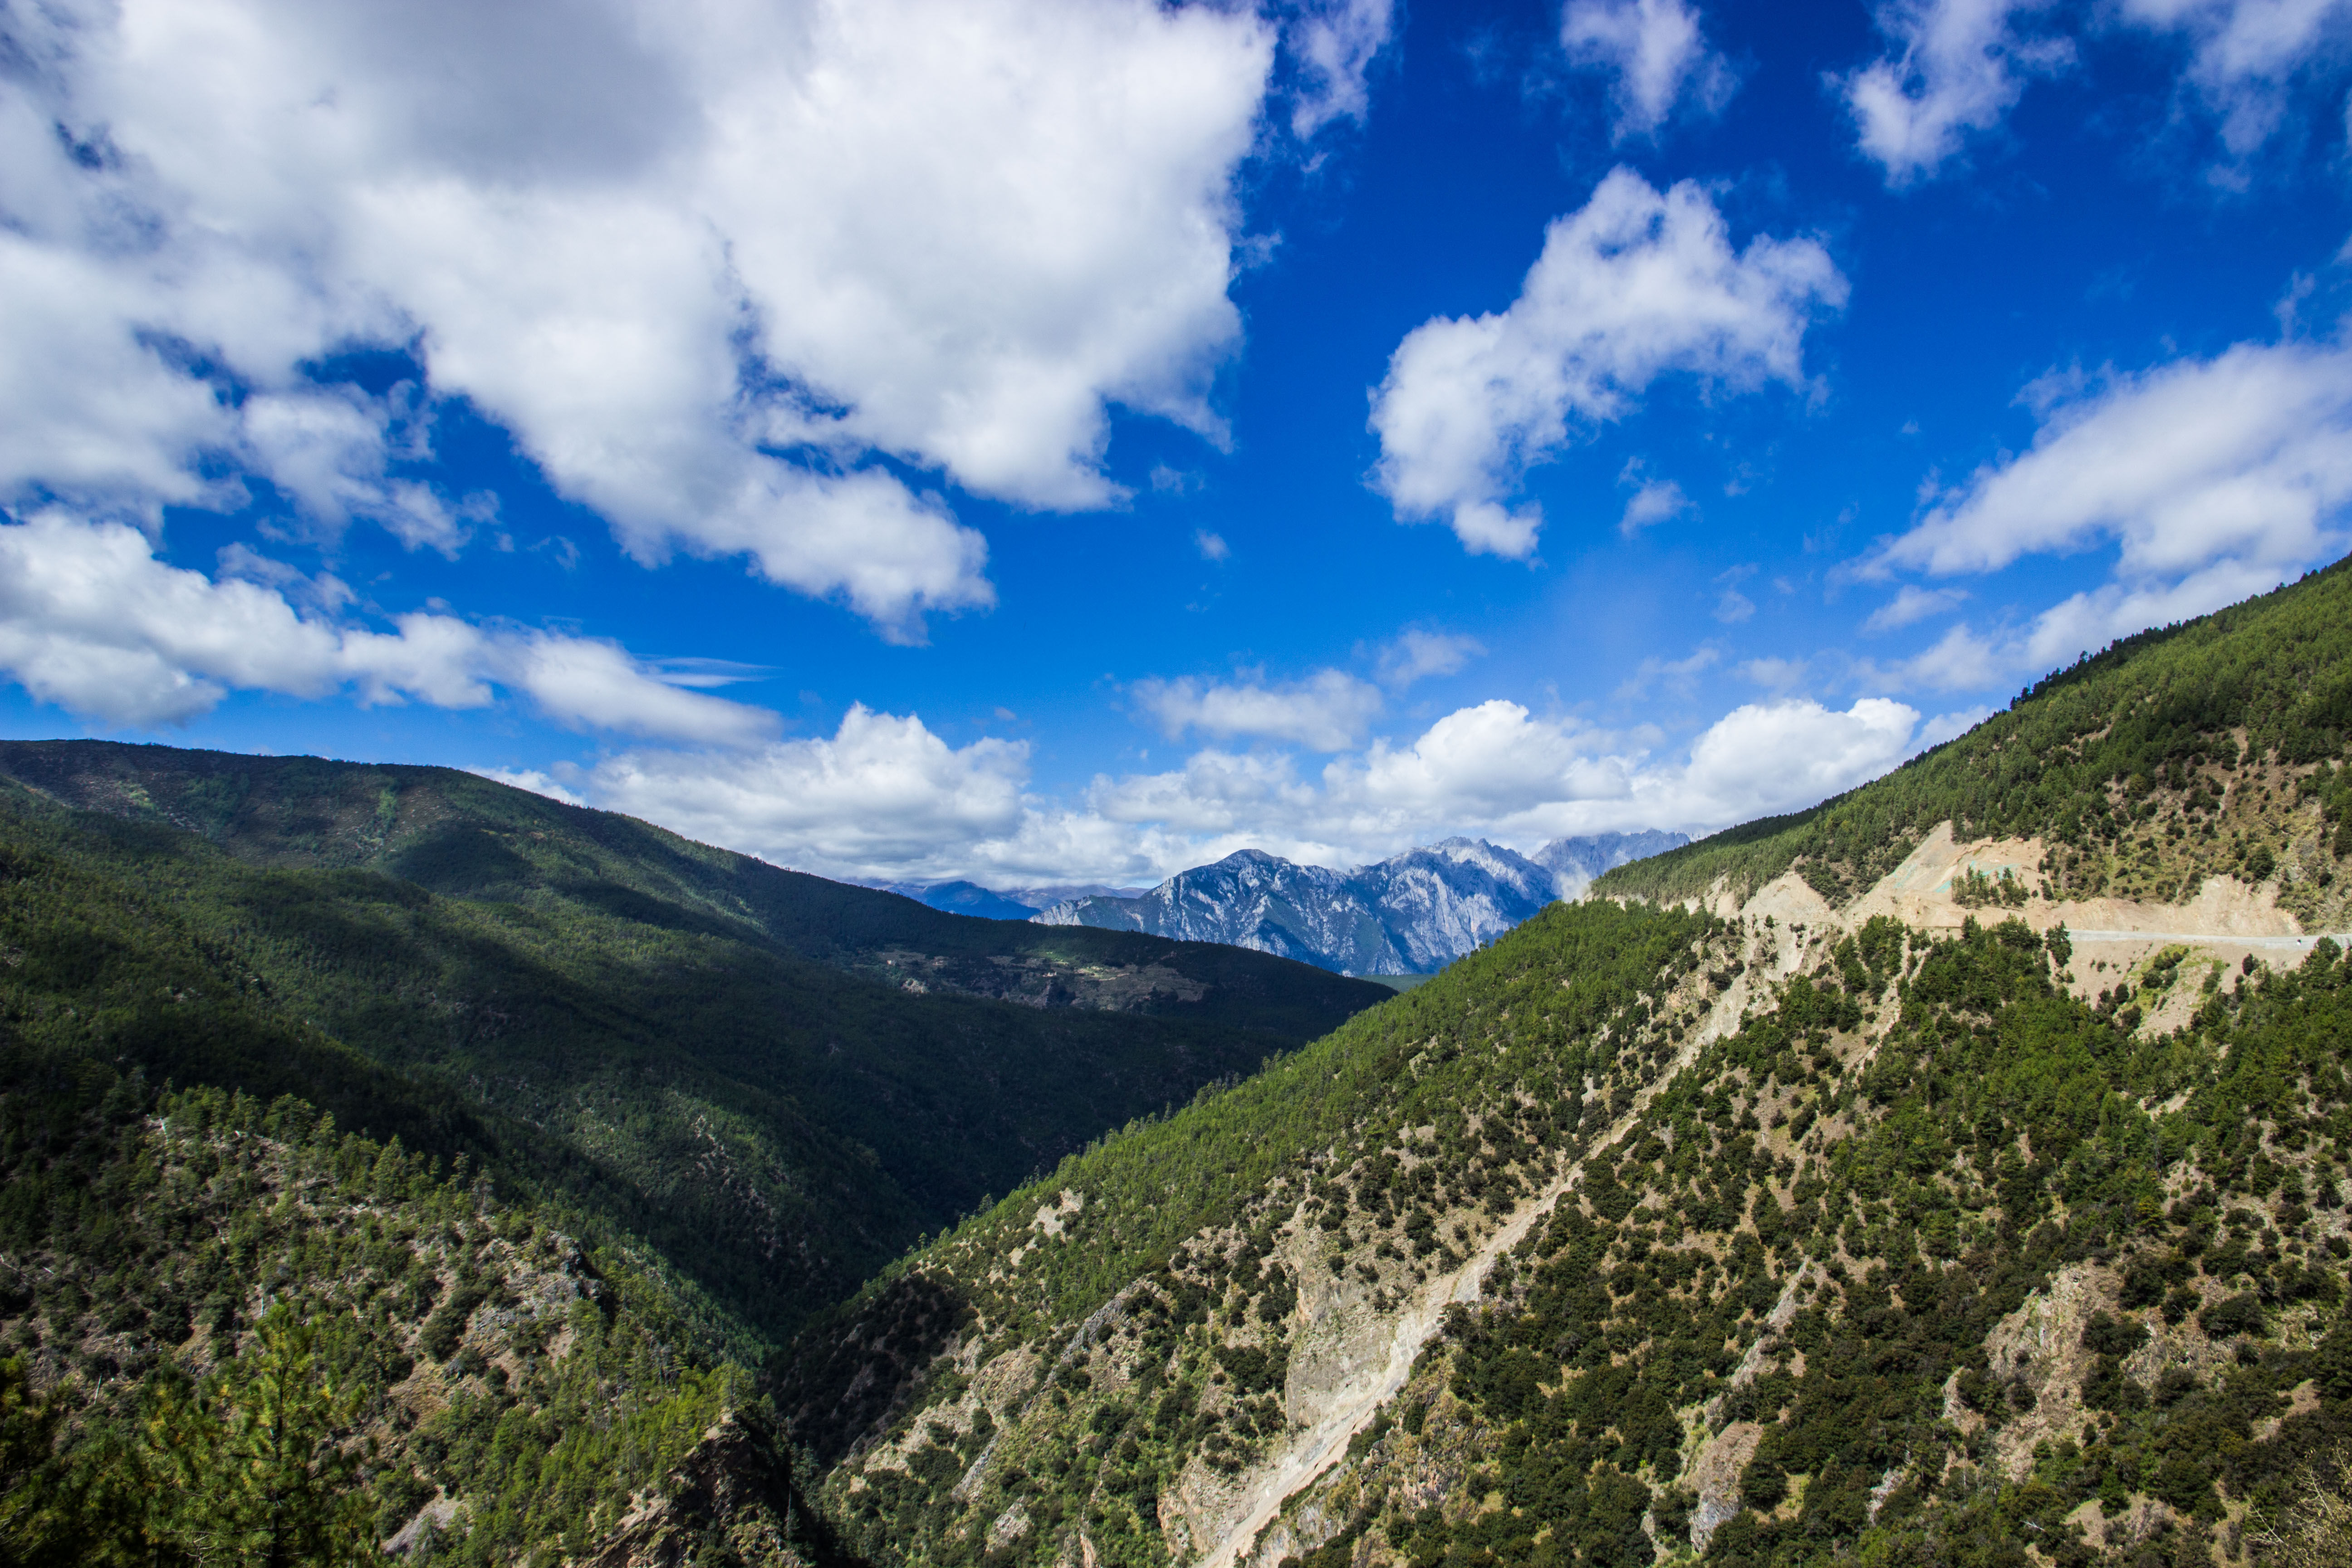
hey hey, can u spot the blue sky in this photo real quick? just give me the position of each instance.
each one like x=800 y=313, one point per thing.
x=1068 y=440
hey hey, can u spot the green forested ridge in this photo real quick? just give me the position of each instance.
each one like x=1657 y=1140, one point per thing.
x=231 y=1329
x=775 y=1127
x=1897 y=1156
x=1920 y=1259
x=1445 y=1056
x=460 y=835
x=2172 y=754
x=1874 y=1246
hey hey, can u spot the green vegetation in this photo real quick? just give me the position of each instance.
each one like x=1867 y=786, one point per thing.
x=1875 y=1247
x=1161 y=1273
x=591 y=1009
x=1804 y=1255
x=2179 y=753
x=236 y=1334
x=2003 y=1135
x=388 y=1156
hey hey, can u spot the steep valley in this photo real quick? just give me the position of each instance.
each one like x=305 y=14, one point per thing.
x=1793 y=1206
x=1959 y=1173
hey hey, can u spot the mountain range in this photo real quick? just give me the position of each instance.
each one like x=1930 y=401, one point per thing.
x=1014 y=903
x=1959 y=1172
x=1411 y=914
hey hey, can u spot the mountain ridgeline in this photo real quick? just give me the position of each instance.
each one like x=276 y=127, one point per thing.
x=1725 y=1219
x=1958 y=1173
x=1412 y=913
x=774 y=1082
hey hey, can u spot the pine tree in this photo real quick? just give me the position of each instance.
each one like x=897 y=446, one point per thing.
x=259 y=1460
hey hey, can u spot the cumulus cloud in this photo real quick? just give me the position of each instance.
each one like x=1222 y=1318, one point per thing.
x=1636 y=285
x=2244 y=54
x=706 y=263
x=90 y=620
x=2214 y=479
x=1328 y=711
x=887 y=797
x=883 y=792
x=1417 y=654
x=1657 y=52
x=1776 y=756
x=332 y=450
x=1958 y=65
x=2245 y=459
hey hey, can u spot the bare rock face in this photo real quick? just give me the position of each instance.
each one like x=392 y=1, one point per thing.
x=731 y=1500
x=1411 y=914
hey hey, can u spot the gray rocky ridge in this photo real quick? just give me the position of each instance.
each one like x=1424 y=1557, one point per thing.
x=1411 y=914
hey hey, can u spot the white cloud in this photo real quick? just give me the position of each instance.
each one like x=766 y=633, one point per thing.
x=1336 y=42
x=1911 y=604
x=2244 y=54
x=2245 y=459
x=886 y=797
x=883 y=793
x=1778 y=757
x=2216 y=479
x=1959 y=67
x=531 y=779
x=331 y=451
x=1211 y=546
x=1328 y=711
x=1634 y=286
x=1961 y=660
x=90 y=620
x=1946 y=727
x=1417 y=654
x=1656 y=501
x=1656 y=50
x=704 y=261
x=1964 y=660
x=1732 y=606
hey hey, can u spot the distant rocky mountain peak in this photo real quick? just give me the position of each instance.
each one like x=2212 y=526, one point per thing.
x=1411 y=914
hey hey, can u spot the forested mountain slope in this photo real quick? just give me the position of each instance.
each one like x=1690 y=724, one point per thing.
x=1719 y=1224
x=598 y=1015
x=234 y=1334
x=1926 y=1259
x=2210 y=748
x=1741 y=1217
x=460 y=835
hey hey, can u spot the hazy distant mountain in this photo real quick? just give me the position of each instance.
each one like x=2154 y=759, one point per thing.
x=998 y=903
x=1411 y=914
x=1575 y=862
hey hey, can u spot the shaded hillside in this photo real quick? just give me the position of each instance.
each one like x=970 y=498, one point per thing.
x=230 y=1326
x=2135 y=761
x=465 y=836
x=773 y=1127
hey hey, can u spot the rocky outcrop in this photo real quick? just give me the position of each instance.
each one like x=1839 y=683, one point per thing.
x=730 y=1502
